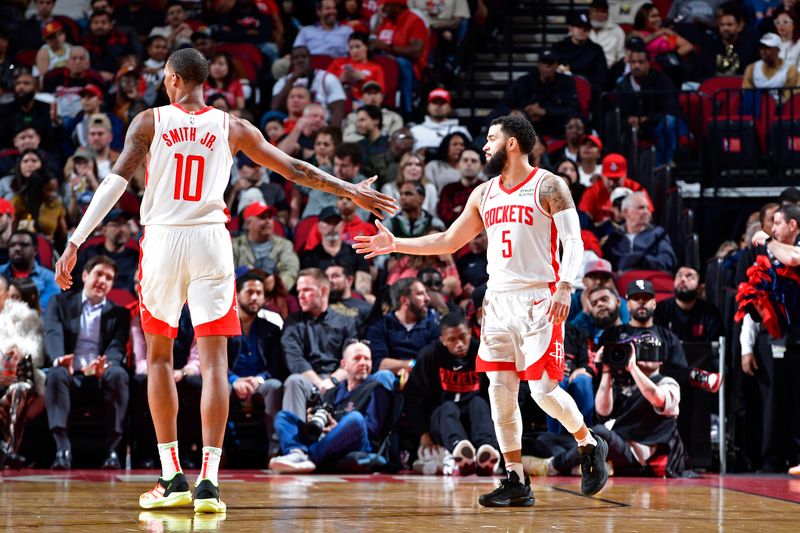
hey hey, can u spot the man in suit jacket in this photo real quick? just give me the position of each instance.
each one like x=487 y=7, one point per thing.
x=85 y=340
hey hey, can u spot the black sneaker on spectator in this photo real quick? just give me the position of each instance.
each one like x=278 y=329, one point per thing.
x=487 y=459
x=705 y=380
x=511 y=493
x=594 y=472
x=295 y=462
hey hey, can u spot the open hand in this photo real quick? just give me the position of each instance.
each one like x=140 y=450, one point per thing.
x=373 y=201
x=373 y=245
x=64 y=266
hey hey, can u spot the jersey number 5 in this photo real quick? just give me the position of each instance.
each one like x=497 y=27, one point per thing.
x=183 y=177
x=506 y=244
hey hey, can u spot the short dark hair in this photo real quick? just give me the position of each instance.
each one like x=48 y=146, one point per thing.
x=351 y=150
x=481 y=155
x=733 y=9
x=29 y=292
x=31 y=235
x=100 y=13
x=374 y=113
x=520 y=128
x=317 y=274
x=790 y=212
x=347 y=270
x=100 y=260
x=789 y=195
x=153 y=38
x=611 y=289
x=334 y=131
x=250 y=275
x=762 y=213
x=452 y=320
x=359 y=36
x=189 y=64
x=400 y=288
x=419 y=187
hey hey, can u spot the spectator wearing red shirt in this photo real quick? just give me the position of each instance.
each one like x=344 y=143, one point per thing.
x=454 y=196
x=596 y=201
x=106 y=44
x=356 y=69
x=403 y=34
x=222 y=80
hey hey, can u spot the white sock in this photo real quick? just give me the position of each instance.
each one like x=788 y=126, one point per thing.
x=210 y=468
x=516 y=467
x=589 y=439
x=170 y=463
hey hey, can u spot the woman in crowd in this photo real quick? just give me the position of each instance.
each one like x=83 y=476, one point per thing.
x=568 y=170
x=444 y=167
x=658 y=40
x=356 y=69
x=789 y=31
x=277 y=297
x=38 y=207
x=28 y=162
x=21 y=381
x=55 y=50
x=222 y=79
x=411 y=168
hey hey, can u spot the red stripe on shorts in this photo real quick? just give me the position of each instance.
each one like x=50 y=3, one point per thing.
x=227 y=326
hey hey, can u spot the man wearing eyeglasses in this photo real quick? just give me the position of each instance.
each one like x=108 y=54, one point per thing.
x=22 y=264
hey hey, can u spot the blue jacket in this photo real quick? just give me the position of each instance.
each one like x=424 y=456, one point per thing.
x=43 y=278
x=651 y=250
x=389 y=338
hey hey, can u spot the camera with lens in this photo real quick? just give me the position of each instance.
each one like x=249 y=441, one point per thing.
x=647 y=348
x=320 y=410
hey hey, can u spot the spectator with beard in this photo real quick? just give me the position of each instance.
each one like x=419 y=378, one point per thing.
x=732 y=47
x=604 y=312
x=106 y=44
x=472 y=265
x=454 y=196
x=25 y=110
x=447 y=400
x=437 y=126
x=341 y=297
x=117 y=233
x=413 y=220
x=597 y=273
x=397 y=338
x=261 y=249
x=77 y=128
x=22 y=264
x=689 y=317
x=326 y=37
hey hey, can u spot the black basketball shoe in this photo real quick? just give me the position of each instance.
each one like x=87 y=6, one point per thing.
x=167 y=493
x=206 y=498
x=511 y=493
x=594 y=471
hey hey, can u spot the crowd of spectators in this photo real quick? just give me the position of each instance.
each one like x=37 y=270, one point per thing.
x=374 y=354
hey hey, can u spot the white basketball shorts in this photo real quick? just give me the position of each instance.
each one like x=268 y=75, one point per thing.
x=187 y=263
x=516 y=335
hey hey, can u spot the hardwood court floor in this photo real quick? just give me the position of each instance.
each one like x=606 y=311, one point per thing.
x=89 y=501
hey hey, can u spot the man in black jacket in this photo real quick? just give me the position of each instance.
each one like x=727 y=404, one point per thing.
x=85 y=340
x=256 y=367
x=688 y=316
x=313 y=340
x=546 y=96
x=582 y=56
x=446 y=400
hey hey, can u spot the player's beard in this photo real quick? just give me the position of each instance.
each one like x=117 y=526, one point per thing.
x=495 y=165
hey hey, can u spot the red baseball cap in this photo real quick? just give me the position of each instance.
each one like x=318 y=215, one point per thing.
x=92 y=90
x=615 y=166
x=256 y=209
x=442 y=94
x=598 y=266
x=6 y=207
x=593 y=139
x=51 y=28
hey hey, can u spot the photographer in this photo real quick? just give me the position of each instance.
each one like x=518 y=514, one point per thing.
x=641 y=407
x=351 y=417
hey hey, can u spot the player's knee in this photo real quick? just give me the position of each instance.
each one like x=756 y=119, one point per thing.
x=503 y=402
x=540 y=389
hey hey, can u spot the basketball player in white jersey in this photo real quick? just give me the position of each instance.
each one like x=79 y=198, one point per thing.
x=527 y=212
x=186 y=253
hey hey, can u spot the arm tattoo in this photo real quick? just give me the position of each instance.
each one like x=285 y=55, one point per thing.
x=554 y=195
x=306 y=174
x=137 y=144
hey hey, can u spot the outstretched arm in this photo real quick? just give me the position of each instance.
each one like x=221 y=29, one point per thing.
x=108 y=193
x=464 y=229
x=247 y=138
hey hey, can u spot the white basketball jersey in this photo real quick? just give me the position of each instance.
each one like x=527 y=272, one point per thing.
x=188 y=168
x=523 y=243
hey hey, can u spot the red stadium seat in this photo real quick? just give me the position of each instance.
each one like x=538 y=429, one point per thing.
x=121 y=297
x=321 y=62
x=791 y=108
x=584 y=89
x=44 y=251
x=302 y=230
x=391 y=77
x=662 y=282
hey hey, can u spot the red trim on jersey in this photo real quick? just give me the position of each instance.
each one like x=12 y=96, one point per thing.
x=158 y=112
x=551 y=361
x=151 y=324
x=554 y=248
x=493 y=366
x=536 y=198
x=179 y=106
x=485 y=198
x=518 y=185
x=227 y=326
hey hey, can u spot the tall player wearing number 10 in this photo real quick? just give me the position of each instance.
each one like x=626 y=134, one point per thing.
x=186 y=253
x=526 y=212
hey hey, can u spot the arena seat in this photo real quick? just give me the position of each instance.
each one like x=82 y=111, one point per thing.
x=584 y=89
x=321 y=62
x=44 y=251
x=391 y=77
x=662 y=282
x=302 y=230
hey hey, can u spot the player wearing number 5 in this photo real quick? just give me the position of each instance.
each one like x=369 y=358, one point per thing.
x=527 y=213
x=186 y=253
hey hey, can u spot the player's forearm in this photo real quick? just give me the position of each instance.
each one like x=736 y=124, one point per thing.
x=433 y=244
x=785 y=253
x=308 y=175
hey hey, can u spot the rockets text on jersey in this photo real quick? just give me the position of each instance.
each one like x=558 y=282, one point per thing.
x=523 y=244
x=188 y=167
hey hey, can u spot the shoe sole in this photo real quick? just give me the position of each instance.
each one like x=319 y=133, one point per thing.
x=176 y=499
x=289 y=469
x=466 y=455
x=209 y=505
x=603 y=447
x=522 y=502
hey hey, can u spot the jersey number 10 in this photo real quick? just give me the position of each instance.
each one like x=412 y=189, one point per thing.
x=184 y=166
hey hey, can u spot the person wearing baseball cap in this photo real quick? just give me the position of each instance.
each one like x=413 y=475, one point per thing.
x=596 y=273
x=590 y=151
x=596 y=201
x=770 y=68
x=55 y=50
x=259 y=247
x=582 y=56
x=437 y=124
x=605 y=32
